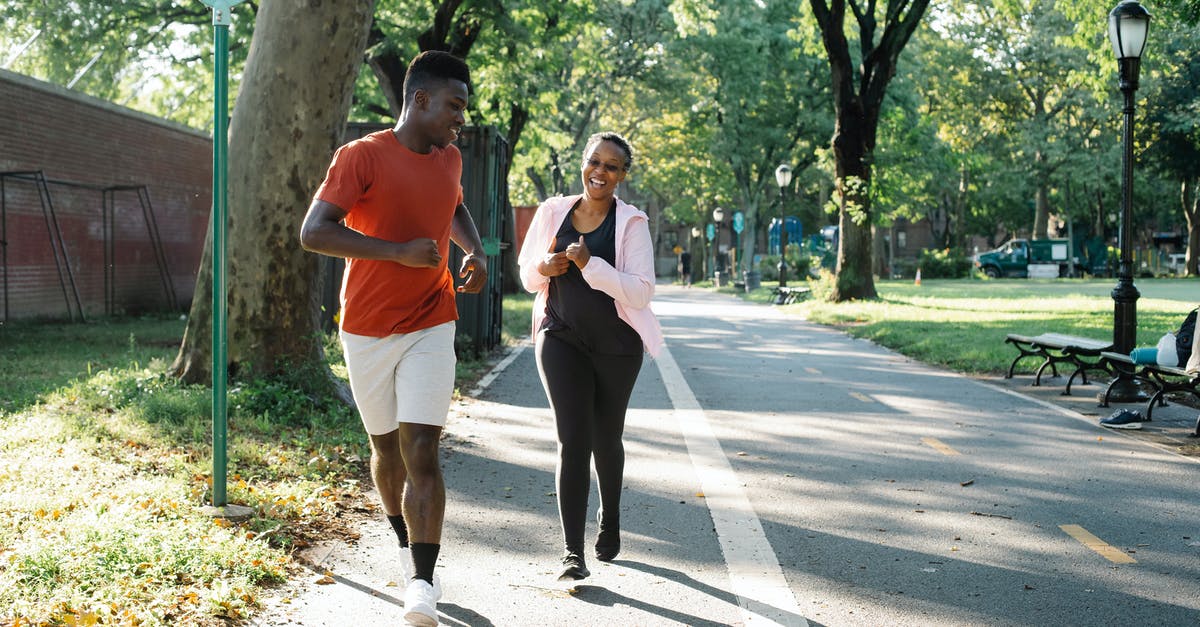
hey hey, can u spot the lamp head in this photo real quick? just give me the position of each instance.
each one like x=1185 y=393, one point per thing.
x=1128 y=24
x=718 y=214
x=783 y=175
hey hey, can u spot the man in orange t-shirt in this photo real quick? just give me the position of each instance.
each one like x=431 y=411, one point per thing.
x=391 y=204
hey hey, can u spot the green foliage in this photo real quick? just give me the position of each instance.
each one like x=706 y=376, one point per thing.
x=151 y=55
x=823 y=286
x=799 y=260
x=948 y=263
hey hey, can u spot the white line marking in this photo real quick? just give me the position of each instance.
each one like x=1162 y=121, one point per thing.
x=754 y=572
x=487 y=379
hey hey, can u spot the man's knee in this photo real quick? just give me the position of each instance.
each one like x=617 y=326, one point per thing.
x=419 y=444
x=385 y=449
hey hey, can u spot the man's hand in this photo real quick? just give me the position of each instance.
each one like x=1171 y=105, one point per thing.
x=419 y=253
x=553 y=264
x=579 y=253
x=474 y=270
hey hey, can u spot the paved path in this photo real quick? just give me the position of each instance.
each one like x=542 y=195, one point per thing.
x=781 y=473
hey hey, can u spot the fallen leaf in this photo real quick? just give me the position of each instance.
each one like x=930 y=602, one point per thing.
x=325 y=581
x=967 y=483
x=1029 y=587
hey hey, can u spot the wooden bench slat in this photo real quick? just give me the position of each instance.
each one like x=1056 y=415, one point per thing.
x=1055 y=348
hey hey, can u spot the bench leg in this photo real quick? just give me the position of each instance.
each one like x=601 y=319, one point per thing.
x=1053 y=370
x=1107 y=392
x=1024 y=353
x=1158 y=396
x=1078 y=371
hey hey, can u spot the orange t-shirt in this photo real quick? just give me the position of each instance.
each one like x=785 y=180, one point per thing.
x=392 y=193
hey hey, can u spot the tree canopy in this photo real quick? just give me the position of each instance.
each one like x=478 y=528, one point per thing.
x=988 y=119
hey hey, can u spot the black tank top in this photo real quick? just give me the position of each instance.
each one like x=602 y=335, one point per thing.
x=576 y=311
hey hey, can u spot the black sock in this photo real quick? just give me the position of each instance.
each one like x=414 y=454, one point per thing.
x=425 y=556
x=401 y=529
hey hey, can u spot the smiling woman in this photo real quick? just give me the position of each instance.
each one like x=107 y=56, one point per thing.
x=590 y=260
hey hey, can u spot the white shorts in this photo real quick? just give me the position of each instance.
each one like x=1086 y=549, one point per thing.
x=406 y=377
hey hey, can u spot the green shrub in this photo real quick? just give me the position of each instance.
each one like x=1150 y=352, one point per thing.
x=799 y=261
x=822 y=287
x=948 y=263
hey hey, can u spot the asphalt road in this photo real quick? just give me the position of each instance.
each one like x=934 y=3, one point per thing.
x=780 y=472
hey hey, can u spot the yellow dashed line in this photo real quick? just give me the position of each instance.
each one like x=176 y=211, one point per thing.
x=1106 y=550
x=862 y=397
x=939 y=446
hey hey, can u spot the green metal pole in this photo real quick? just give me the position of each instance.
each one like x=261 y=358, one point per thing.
x=220 y=204
x=220 y=361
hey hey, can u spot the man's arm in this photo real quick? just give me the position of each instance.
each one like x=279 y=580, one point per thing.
x=323 y=232
x=474 y=267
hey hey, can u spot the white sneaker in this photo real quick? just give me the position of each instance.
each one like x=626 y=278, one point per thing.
x=420 y=604
x=406 y=566
x=406 y=571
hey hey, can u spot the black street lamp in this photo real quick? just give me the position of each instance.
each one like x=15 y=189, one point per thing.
x=718 y=263
x=783 y=176
x=1128 y=24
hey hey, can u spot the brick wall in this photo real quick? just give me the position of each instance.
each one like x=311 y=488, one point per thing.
x=82 y=146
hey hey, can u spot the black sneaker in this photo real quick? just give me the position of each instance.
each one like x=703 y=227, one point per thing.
x=574 y=568
x=608 y=543
x=1124 y=419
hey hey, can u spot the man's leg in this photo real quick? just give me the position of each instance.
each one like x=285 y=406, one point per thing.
x=424 y=500
x=389 y=475
x=424 y=384
x=371 y=362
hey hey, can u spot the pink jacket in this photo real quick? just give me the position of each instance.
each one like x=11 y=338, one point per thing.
x=630 y=283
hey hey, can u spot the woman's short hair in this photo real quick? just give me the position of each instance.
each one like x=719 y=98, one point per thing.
x=616 y=138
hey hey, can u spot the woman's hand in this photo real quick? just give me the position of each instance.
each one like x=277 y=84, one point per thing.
x=579 y=253
x=553 y=264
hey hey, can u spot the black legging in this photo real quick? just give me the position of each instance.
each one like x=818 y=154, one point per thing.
x=589 y=393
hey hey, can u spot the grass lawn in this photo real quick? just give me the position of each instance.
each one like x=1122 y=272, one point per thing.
x=961 y=324
x=106 y=460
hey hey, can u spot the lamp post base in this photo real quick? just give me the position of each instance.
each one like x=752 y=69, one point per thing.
x=1124 y=389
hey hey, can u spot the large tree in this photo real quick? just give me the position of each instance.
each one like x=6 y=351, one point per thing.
x=288 y=120
x=1174 y=107
x=859 y=79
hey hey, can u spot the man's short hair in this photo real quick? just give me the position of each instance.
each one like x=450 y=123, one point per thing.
x=431 y=68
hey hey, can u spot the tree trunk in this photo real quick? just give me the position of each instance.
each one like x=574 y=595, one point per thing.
x=1041 y=215
x=857 y=100
x=855 y=279
x=285 y=126
x=1190 y=200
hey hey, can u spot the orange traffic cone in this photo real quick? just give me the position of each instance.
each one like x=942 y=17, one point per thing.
x=918 y=279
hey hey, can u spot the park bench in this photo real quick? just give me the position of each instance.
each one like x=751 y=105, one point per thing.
x=1164 y=379
x=789 y=295
x=1056 y=348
